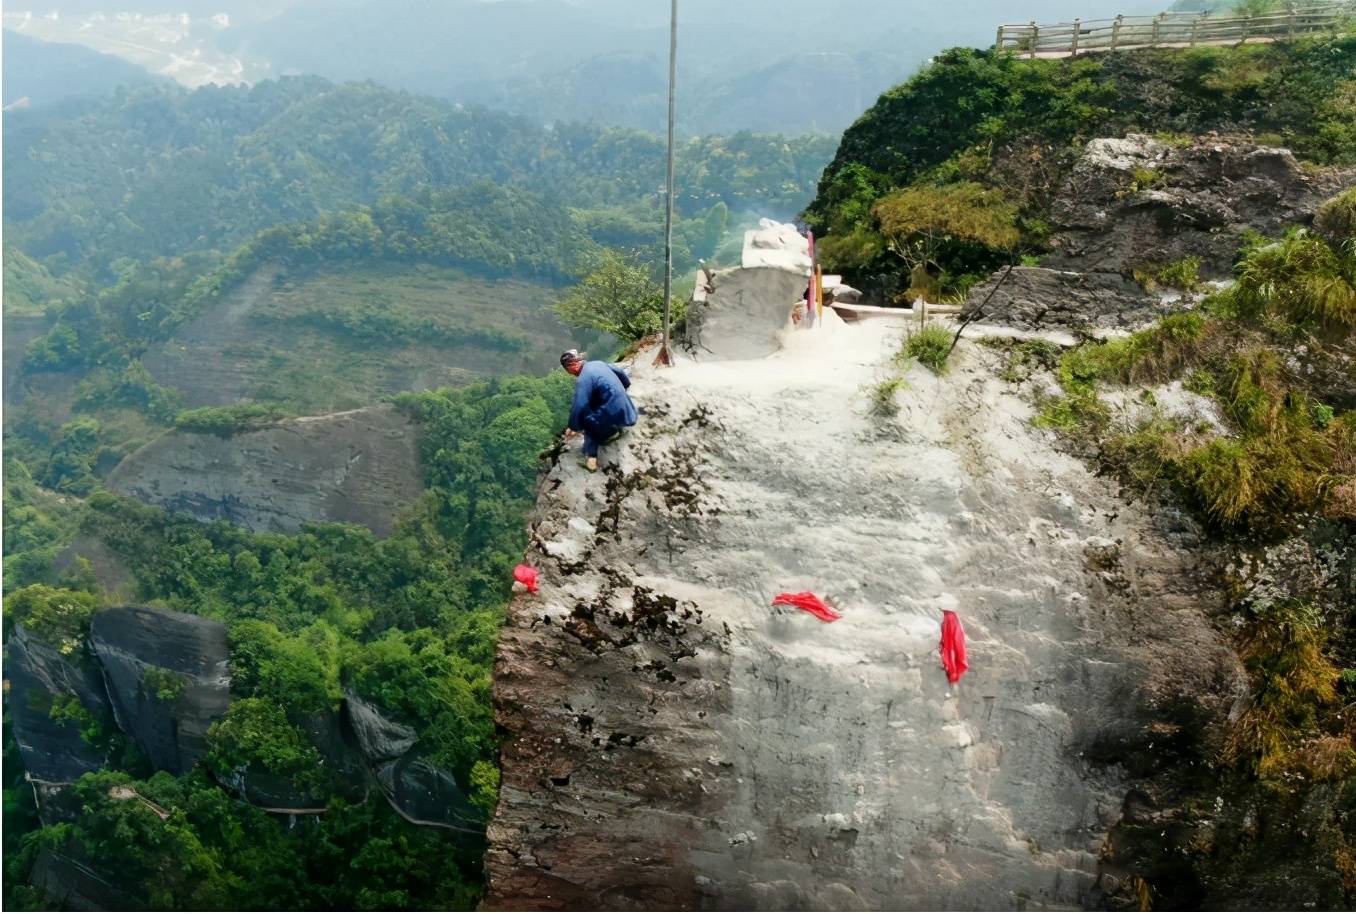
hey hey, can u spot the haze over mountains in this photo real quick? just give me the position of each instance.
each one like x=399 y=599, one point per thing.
x=775 y=65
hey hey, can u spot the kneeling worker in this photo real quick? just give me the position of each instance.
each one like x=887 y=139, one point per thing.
x=602 y=409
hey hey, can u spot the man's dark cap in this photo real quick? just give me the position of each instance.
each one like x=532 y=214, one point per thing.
x=570 y=356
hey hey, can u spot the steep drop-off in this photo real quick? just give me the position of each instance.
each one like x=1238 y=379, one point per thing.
x=375 y=328
x=358 y=467
x=672 y=741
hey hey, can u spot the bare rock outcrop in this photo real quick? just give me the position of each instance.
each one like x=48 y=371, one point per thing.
x=1136 y=205
x=39 y=675
x=744 y=311
x=1137 y=202
x=672 y=741
x=359 y=466
x=1037 y=297
x=419 y=790
x=167 y=677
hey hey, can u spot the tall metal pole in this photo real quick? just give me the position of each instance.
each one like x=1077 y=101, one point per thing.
x=668 y=194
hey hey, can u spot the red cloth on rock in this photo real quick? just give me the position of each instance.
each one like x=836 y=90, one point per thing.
x=527 y=576
x=808 y=602
x=953 y=647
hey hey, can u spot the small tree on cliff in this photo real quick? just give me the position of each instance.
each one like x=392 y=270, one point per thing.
x=957 y=227
x=618 y=296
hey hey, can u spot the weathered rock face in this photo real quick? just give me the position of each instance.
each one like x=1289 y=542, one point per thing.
x=419 y=791
x=1137 y=202
x=74 y=886
x=188 y=687
x=426 y=794
x=744 y=312
x=358 y=467
x=380 y=738
x=38 y=674
x=672 y=741
x=1036 y=297
x=1137 y=205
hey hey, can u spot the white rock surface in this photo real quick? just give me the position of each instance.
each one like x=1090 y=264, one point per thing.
x=839 y=768
x=776 y=244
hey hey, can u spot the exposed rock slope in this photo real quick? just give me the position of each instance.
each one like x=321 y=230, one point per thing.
x=167 y=677
x=359 y=467
x=39 y=674
x=671 y=741
x=1135 y=205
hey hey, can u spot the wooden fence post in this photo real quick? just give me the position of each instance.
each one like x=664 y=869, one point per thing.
x=998 y=42
x=1153 y=36
x=1074 y=48
x=1194 y=24
x=1116 y=32
x=1290 y=25
x=1035 y=36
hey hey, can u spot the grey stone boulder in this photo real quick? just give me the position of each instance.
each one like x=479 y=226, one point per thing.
x=379 y=737
x=71 y=884
x=745 y=311
x=348 y=775
x=184 y=654
x=1036 y=298
x=38 y=674
x=426 y=794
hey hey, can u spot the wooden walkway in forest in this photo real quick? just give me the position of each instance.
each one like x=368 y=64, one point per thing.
x=1173 y=30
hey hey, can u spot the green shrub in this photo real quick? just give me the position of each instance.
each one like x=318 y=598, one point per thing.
x=882 y=397
x=956 y=229
x=166 y=685
x=56 y=350
x=228 y=420
x=484 y=787
x=1336 y=221
x=618 y=296
x=930 y=346
x=255 y=733
x=1292 y=679
x=57 y=616
x=1184 y=274
x=1300 y=279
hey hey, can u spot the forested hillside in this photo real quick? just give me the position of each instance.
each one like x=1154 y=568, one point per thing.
x=150 y=173
x=207 y=264
x=984 y=140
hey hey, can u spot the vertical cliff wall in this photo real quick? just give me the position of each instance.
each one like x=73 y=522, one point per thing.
x=672 y=741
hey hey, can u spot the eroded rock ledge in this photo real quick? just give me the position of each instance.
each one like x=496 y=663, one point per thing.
x=358 y=467
x=673 y=742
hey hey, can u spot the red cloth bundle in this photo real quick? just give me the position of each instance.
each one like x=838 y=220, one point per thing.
x=808 y=602
x=527 y=576
x=953 y=647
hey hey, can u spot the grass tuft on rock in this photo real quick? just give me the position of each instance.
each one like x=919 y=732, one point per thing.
x=930 y=346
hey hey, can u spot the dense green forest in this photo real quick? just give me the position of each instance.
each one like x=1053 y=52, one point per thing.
x=408 y=622
x=1012 y=127
x=159 y=172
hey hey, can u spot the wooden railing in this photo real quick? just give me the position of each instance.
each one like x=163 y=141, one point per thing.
x=1173 y=30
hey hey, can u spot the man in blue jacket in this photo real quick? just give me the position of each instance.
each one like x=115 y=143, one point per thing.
x=602 y=409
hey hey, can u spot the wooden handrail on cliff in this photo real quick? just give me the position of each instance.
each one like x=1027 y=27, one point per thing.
x=1172 y=30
